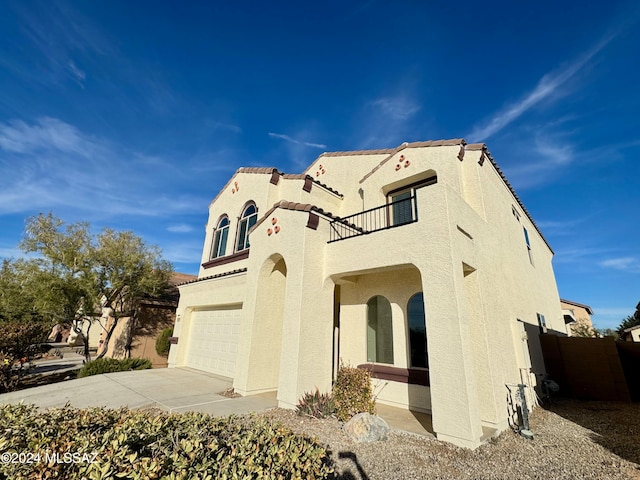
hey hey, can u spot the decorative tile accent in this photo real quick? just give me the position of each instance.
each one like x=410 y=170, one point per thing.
x=402 y=162
x=276 y=227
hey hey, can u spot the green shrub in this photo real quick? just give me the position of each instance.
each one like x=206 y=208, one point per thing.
x=110 y=365
x=352 y=392
x=162 y=342
x=139 y=445
x=19 y=342
x=316 y=404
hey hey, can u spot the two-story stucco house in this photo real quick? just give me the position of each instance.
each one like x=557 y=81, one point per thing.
x=419 y=261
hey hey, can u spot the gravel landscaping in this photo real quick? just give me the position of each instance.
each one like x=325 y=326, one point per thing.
x=573 y=440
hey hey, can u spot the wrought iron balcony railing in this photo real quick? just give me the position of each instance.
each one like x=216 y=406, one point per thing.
x=394 y=214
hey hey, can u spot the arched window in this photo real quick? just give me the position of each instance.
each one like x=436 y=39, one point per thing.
x=248 y=220
x=379 y=330
x=219 y=247
x=417 y=331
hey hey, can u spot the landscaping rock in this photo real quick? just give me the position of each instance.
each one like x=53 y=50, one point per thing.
x=365 y=427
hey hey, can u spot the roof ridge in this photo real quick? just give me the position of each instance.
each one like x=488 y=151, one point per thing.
x=428 y=143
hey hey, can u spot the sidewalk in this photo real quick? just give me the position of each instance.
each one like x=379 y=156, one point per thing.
x=170 y=389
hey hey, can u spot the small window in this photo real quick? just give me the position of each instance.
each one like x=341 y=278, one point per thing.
x=402 y=207
x=379 y=331
x=417 y=331
x=248 y=220
x=403 y=202
x=515 y=213
x=542 y=324
x=526 y=239
x=219 y=246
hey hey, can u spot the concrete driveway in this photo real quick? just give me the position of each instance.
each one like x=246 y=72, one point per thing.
x=170 y=389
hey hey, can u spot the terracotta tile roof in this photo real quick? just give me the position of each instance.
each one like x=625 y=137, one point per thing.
x=217 y=275
x=381 y=151
x=178 y=278
x=261 y=170
x=429 y=143
x=387 y=151
x=304 y=176
x=576 y=304
x=257 y=170
x=300 y=207
x=295 y=176
x=271 y=171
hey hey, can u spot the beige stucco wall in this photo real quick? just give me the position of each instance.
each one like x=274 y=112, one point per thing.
x=305 y=360
x=94 y=330
x=467 y=254
x=582 y=317
x=211 y=293
x=256 y=188
x=397 y=285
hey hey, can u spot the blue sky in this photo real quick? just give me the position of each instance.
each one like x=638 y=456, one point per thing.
x=134 y=114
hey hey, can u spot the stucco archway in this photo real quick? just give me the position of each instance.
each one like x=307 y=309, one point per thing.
x=264 y=366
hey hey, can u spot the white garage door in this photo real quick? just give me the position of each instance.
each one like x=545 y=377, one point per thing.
x=213 y=341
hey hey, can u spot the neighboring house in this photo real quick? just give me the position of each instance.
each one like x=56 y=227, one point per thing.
x=139 y=340
x=631 y=334
x=419 y=261
x=577 y=318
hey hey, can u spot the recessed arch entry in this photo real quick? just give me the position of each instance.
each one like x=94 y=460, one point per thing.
x=264 y=362
x=382 y=323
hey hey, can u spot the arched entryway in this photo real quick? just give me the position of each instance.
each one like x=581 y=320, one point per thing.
x=264 y=362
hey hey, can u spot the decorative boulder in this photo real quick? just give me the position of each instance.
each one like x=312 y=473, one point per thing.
x=365 y=427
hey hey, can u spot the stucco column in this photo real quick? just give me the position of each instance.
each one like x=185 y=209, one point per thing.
x=454 y=396
x=307 y=335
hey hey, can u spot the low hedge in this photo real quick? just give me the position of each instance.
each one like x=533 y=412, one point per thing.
x=107 y=444
x=110 y=365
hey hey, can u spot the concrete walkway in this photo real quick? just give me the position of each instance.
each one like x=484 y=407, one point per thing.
x=170 y=389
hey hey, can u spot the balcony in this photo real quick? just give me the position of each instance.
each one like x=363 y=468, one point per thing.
x=391 y=215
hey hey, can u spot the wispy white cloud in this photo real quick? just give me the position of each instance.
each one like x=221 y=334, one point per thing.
x=46 y=134
x=297 y=142
x=50 y=164
x=565 y=226
x=542 y=159
x=183 y=252
x=579 y=254
x=57 y=35
x=180 y=228
x=619 y=312
x=389 y=119
x=79 y=74
x=227 y=126
x=398 y=108
x=626 y=264
x=553 y=153
x=546 y=87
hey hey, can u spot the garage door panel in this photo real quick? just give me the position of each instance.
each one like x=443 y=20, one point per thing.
x=214 y=337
